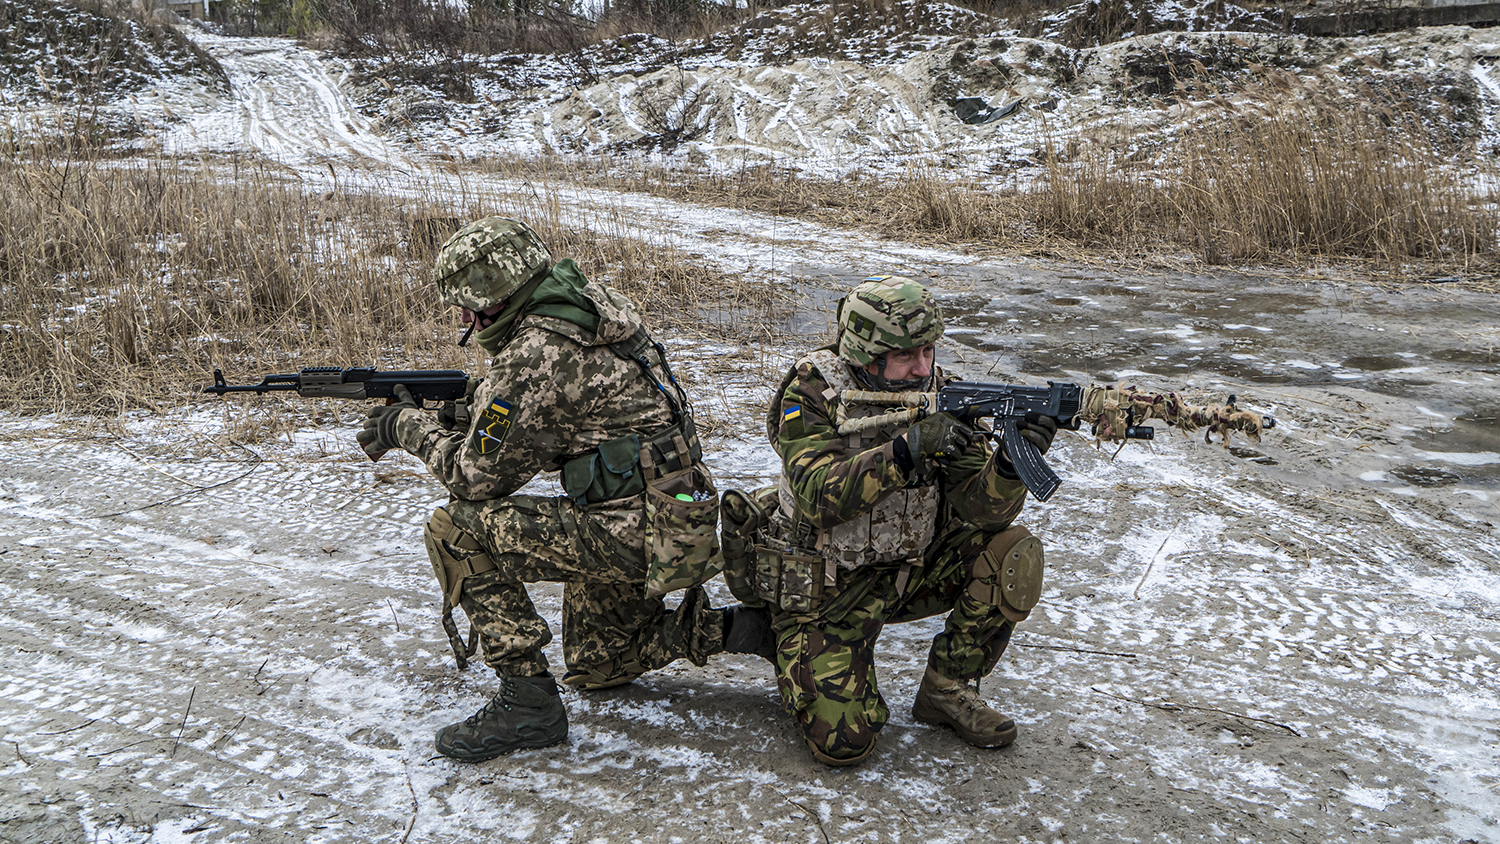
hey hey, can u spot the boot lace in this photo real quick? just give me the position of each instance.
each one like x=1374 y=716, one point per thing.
x=500 y=701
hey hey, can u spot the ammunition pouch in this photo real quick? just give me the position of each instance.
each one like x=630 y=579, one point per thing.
x=744 y=516
x=1008 y=573
x=787 y=573
x=455 y=555
x=610 y=472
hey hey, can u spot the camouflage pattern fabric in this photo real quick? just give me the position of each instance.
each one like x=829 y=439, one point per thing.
x=556 y=391
x=885 y=313
x=487 y=260
x=610 y=628
x=1110 y=409
x=833 y=484
x=826 y=664
x=553 y=392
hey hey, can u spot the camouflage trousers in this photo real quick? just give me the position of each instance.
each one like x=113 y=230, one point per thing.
x=826 y=660
x=610 y=630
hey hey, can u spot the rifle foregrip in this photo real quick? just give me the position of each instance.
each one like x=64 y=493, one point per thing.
x=1027 y=460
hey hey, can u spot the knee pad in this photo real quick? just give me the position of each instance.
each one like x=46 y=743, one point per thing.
x=455 y=555
x=1008 y=573
x=841 y=761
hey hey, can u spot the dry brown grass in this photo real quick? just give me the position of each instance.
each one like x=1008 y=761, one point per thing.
x=1302 y=180
x=123 y=283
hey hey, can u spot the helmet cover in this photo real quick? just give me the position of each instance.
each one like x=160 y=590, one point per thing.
x=487 y=260
x=886 y=313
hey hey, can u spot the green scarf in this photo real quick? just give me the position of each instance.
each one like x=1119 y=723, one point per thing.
x=556 y=294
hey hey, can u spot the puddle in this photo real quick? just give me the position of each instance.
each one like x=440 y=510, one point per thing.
x=1375 y=363
x=1425 y=476
x=1114 y=290
x=1474 y=356
x=1067 y=301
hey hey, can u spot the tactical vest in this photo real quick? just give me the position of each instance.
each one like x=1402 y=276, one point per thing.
x=621 y=467
x=900 y=527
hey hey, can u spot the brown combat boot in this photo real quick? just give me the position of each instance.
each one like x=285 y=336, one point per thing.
x=957 y=704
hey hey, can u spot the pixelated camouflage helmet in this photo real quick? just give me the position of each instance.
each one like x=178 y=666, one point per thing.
x=885 y=313
x=488 y=260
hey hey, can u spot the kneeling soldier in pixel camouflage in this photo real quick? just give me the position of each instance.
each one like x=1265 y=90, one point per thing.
x=576 y=385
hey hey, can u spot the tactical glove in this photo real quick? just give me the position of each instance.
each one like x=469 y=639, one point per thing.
x=934 y=441
x=379 y=433
x=1038 y=430
x=966 y=465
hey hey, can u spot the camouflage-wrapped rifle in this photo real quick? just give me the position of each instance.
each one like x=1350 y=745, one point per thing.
x=1114 y=413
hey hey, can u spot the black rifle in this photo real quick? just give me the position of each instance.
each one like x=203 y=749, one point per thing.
x=1009 y=404
x=331 y=382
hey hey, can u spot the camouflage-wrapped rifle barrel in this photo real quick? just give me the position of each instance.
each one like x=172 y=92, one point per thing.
x=1114 y=414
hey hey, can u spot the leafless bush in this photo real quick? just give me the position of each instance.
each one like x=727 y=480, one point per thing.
x=675 y=112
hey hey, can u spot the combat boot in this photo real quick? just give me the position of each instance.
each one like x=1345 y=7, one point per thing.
x=526 y=712
x=747 y=630
x=957 y=704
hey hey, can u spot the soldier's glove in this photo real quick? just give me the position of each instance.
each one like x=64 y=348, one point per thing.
x=1036 y=429
x=931 y=443
x=379 y=433
x=454 y=415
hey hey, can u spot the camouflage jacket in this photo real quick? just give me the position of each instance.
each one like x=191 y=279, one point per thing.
x=554 y=391
x=833 y=483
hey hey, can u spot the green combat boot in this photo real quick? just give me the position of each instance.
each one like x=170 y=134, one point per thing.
x=526 y=712
x=957 y=704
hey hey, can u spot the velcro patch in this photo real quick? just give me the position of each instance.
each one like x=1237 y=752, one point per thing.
x=492 y=426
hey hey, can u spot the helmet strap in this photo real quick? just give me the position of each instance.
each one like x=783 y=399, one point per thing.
x=469 y=332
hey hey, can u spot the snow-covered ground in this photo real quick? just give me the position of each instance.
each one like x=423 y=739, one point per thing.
x=209 y=640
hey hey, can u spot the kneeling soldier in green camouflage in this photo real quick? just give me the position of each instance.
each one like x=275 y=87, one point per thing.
x=576 y=385
x=889 y=524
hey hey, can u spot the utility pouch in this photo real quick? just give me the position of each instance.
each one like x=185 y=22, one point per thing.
x=785 y=574
x=744 y=520
x=791 y=581
x=612 y=471
x=682 y=530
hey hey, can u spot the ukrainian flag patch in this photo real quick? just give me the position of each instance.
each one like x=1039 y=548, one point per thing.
x=492 y=426
x=791 y=413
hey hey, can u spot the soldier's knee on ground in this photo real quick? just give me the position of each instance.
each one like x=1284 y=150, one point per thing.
x=842 y=757
x=846 y=738
x=1008 y=573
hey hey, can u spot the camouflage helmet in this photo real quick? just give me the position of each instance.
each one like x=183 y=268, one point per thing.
x=885 y=313
x=488 y=260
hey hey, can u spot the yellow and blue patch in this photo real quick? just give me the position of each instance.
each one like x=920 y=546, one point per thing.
x=492 y=426
x=791 y=414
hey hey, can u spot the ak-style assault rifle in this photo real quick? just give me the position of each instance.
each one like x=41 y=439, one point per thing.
x=331 y=382
x=1114 y=414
